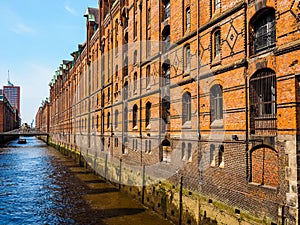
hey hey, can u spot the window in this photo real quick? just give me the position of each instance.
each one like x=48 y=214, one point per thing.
x=134 y=117
x=97 y=122
x=116 y=37
x=217 y=4
x=166 y=38
x=186 y=107
x=116 y=87
x=187 y=59
x=183 y=151
x=264 y=166
x=125 y=95
x=148 y=14
x=149 y=147
x=148 y=76
x=216 y=44
x=263 y=102
x=221 y=156
x=125 y=119
x=212 y=155
x=116 y=119
x=166 y=73
x=148 y=113
x=108 y=94
x=116 y=142
x=166 y=9
x=187 y=19
x=263 y=31
x=135 y=57
x=216 y=103
x=108 y=119
x=135 y=82
x=189 y=152
x=125 y=73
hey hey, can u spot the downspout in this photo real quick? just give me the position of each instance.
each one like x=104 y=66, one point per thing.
x=248 y=176
x=198 y=93
x=140 y=70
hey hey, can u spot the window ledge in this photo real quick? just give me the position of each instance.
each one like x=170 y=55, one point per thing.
x=148 y=127
x=217 y=124
x=187 y=125
x=186 y=73
x=216 y=61
x=263 y=186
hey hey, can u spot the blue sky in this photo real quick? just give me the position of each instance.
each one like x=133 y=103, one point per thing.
x=35 y=36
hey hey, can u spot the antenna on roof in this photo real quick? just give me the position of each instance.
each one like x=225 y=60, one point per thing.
x=8 y=79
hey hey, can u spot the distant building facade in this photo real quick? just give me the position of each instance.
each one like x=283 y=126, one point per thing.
x=7 y=115
x=215 y=86
x=12 y=93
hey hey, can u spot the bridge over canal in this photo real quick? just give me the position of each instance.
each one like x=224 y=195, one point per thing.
x=28 y=132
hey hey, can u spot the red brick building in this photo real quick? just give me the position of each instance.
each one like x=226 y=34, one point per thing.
x=7 y=115
x=209 y=87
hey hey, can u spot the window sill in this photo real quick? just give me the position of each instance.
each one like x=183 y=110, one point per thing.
x=263 y=186
x=217 y=124
x=187 y=125
x=186 y=74
x=216 y=61
x=148 y=127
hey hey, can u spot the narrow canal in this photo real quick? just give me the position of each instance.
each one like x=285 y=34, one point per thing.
x=41 y=186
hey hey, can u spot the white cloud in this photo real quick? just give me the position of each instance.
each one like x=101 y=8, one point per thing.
x=21 y=28
x=70 y=9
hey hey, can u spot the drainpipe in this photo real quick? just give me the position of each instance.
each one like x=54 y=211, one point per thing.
x=141 y=58
x=248 y=177
x=198 y=89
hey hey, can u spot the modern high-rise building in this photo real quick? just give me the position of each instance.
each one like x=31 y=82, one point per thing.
x=12 y=93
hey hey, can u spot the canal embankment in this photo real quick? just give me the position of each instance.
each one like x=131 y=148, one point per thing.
x=170 y=198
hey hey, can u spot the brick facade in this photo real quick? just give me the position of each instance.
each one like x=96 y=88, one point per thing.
x=220 y=80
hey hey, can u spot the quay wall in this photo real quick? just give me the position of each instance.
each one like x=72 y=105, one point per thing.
x=169 y=198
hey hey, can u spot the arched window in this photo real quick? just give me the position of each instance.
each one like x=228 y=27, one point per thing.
x=183 y=151
x=135 y=57
x=216 y=44
x=108 y=119
x=166 y=9
x=216 y=5
x=134 y=117
x=166 y=72
x=221 y=156
x=135 y=82
x=147 y=76
x=166 y=38
x=125 y=119
x=116 y=36
x=125 y=91
x=148 y=113
x=263 y=102
x=186 y=107
x=187 y=59
x=264 y=166
x=116 y=119
x=212 y=155
x=262 y=31
x=187 y=19
x=216 y=103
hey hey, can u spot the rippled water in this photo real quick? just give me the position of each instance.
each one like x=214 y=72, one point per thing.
x=34 y=188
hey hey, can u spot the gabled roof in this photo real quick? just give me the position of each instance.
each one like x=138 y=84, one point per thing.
x=92 y=14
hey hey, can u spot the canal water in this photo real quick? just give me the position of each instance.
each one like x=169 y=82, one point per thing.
x=38 y=185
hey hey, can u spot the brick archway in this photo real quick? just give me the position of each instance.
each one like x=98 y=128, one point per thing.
x=264 y=166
